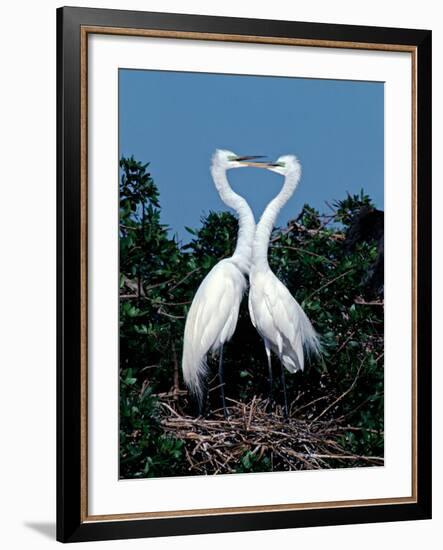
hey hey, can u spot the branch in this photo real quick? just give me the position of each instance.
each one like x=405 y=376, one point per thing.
x=161 y=312
x=297 y=249
x=330 y=282
x=184 y=278
x=361 y=302
x=340 y=397
x=294 y=225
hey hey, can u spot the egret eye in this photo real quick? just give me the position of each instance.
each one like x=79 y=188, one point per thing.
x=282 y=164
x=232 y=157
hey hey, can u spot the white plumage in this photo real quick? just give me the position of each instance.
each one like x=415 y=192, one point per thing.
x=277 y=316
x=211 y=320
x=280 y=321
x=212 y=317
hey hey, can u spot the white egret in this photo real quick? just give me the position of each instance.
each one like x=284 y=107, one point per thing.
x=278 y=318
x=212 y=317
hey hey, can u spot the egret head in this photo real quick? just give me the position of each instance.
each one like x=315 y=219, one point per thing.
x=227 y=159
x=284 y=165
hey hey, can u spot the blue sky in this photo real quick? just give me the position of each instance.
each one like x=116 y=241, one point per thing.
x=175 y=121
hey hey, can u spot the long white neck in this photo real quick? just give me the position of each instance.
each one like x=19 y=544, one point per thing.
x=267 y=220
x=243 y=251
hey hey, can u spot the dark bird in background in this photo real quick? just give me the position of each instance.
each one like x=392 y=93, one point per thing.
x=368 y=226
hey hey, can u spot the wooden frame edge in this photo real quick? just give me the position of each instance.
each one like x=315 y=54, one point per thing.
x=84 y=273
x=202 y=512
x=282 y=41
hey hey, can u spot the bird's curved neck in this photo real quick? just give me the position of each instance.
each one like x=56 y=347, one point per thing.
x=243 y=251
x=267 y=220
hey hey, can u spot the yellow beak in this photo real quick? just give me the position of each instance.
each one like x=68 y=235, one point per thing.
x=257 y=164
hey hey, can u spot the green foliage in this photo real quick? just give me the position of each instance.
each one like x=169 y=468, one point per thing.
x=158 y=279
x=145 y=451
x=251 y=462
x=215 y=239
x=346 y=208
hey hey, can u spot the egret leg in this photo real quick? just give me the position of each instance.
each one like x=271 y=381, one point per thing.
x=201 y=407
x=268 y=355
x=222 y=383
x=283 y=383
x=202 y=403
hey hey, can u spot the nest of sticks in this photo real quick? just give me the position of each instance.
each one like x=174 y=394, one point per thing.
x=257 y=437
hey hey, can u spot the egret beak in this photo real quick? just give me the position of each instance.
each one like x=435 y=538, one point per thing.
x=258 y=164
x=249 y=157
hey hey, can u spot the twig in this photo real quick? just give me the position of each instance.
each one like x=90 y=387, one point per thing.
x=298 y=249
x=330 y=282
x=185 y=278
x=344 y=343
x=161 y=312
x=310 y=403
x=350 y=457
x=361 y=302
x=170 y=303
x=248 y=425
x=215 y=445
x=340 y=397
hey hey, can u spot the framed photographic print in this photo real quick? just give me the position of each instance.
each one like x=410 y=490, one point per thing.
x=244 y=271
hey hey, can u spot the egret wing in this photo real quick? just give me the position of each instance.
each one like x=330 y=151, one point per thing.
x=211 y=320
x=285 y=313
x=214 y=310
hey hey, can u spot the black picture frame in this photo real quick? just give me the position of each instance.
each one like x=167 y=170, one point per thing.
x=71 y=525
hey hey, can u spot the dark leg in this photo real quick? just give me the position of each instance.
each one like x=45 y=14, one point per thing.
x=222 y=383
x=283 y=383
x=203 y=401
x=268 y=355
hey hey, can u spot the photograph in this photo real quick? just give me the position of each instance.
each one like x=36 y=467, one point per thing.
x=251 y=273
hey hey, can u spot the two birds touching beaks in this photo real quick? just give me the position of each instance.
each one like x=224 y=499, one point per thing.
x=279 y=319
